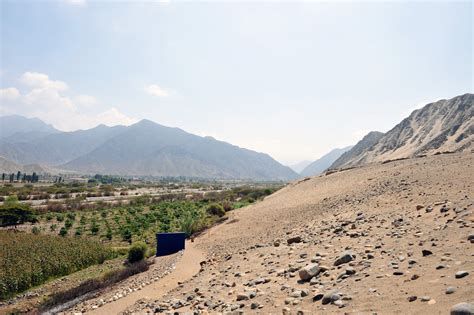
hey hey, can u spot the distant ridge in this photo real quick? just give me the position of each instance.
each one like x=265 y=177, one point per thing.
x=145 y=148
x=320 y=165
x=442 y=126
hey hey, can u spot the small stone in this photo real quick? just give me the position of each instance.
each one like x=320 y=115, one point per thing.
x=294 y=239
x=450 y=290
x=426 y=252
x=308 y=272
x=425 y=298
x=412 y=298
x=242 y=297
x=461 y=274
x=344 y=258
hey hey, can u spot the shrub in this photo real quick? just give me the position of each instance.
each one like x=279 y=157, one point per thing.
x=136 y=252
x=215 y=209
x=63 y=231
x=35 y=230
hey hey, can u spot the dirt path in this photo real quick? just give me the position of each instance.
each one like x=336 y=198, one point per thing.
x=186 y=267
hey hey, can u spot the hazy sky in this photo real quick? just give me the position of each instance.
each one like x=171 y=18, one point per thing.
x=292 y=79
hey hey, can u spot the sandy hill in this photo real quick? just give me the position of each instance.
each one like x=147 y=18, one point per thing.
x=392 y=238
x=442 y=126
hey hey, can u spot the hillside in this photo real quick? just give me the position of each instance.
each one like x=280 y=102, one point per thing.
x=347 y=158
x=320 y=165
x=147 y=148
x=8 y=167
x=393 y=238
x=442 y=126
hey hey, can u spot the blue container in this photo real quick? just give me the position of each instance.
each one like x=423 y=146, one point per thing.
x=169 y=243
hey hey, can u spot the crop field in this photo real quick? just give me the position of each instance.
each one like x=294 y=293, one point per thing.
x=28 y=260
x=47 y=244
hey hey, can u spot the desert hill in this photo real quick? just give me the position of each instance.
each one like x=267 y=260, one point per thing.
x=386 y=238
x=442 y=126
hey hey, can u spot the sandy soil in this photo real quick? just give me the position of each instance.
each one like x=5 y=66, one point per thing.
x=386 y=216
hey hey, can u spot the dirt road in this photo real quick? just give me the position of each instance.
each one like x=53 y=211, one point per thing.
x=186 y=267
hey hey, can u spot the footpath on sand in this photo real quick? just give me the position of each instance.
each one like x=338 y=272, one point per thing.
x=186 y=267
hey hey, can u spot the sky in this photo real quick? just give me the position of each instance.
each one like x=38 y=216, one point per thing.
x=291 y=79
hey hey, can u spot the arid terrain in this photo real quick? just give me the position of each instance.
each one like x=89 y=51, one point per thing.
x=387 y=238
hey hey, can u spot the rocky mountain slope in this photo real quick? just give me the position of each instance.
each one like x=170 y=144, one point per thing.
x=320 y=165
x=445 y=125
x=391 y=238
x=350 y=157
x=145 y=148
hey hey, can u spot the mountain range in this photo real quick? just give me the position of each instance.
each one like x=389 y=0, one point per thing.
x=148 y=148
x=145 y=148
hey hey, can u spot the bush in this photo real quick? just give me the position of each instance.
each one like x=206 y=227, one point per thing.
x=136 y=252
x=215 y=209
x=63 y=231
x=35 y=230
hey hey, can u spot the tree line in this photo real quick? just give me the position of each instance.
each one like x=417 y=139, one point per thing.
x=19 y=176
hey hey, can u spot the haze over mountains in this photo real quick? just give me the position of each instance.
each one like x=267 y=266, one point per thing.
x=320 y=165
x=145 y=148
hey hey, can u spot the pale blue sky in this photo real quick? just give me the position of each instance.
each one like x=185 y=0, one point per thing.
x=292 y=79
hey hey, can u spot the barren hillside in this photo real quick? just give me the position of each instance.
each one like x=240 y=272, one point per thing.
x=442 y=126
x=393 y=238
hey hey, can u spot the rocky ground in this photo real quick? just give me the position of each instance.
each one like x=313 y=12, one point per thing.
x=393 y=238
x=158 y=270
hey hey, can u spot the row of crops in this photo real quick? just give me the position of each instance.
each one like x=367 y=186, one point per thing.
x=28 y=260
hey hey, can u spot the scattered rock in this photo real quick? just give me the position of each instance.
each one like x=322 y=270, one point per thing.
x=462 y=309
x=309 y=271
x=426 y=252
x=344 y=258
x=294 y=239
x=461 y=274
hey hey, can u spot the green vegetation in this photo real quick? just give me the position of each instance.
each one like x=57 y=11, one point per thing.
x=137 y=252
x=69 y=234
x=27 y=260
x=14 y=213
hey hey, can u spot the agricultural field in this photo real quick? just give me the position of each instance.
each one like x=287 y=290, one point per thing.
x=42 y=243
x=27 y=260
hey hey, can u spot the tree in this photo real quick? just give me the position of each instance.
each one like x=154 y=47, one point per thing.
x=13 y=213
